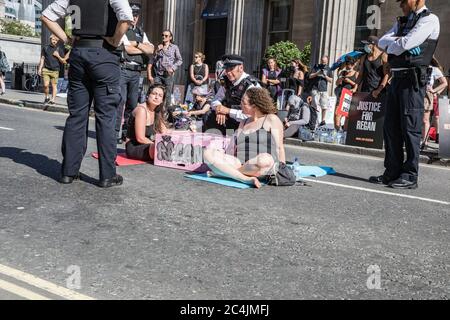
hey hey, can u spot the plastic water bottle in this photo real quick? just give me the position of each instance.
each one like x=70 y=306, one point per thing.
x=323 y=136
x=296 y=167
x=339 y=136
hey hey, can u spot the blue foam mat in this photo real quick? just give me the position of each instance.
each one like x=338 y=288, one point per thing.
x=221 y=181
x=314 y=171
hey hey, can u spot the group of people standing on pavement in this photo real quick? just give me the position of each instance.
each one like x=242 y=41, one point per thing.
x=99 y=72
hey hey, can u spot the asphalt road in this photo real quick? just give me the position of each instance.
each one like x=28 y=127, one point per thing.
x=162 y=236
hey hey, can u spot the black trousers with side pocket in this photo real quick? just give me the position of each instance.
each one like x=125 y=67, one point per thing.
x=94 y=75
x=403 y=128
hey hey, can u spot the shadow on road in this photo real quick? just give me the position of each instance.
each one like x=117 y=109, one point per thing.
x=346 y=176
x=42 y=164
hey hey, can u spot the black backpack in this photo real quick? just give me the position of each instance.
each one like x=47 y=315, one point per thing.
x=284 y=176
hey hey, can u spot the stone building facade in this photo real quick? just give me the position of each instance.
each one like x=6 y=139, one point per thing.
x=248 y=27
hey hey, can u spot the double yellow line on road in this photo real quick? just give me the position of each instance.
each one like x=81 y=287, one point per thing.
x=31 y=280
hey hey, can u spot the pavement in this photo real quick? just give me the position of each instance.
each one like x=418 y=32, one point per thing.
x=161 y=236
x=35 y=100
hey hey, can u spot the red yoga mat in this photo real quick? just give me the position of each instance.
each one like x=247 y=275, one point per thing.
x=122 y=160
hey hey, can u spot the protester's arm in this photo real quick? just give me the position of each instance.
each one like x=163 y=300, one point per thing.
x=361 y=70
x=306 y=116
x=41 y=65
x=191 y=73
x=140 y=126
x=204 y=110
x=441 y=87
x=385 y=79
x=178 y=59
x=206 y=78
x=277 y=131
x=57 y=56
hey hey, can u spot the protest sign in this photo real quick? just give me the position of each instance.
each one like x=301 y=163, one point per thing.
x=444 y=128
x=344 y=103
x=184 y=150
x=366 y=119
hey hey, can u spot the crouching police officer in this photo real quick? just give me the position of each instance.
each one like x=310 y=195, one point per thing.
x=94 y=74
x=410 y=45
x=227 y=113
x=135 y=59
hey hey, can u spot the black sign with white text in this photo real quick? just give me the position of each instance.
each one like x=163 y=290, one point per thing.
x=366 y=118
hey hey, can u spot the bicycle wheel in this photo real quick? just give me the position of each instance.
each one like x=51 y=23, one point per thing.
x=27 y=84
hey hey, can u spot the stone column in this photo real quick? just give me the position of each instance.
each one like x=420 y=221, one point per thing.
x=335 y=26
x=179 y=18
x=2 y=9
x=235 y=26
x=252 y=28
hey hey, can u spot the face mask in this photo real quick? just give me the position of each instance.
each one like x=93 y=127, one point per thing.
x=367 y=49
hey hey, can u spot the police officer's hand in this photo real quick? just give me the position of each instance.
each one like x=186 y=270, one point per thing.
x=221 y=119
x=170 y=71
x=222 y=110
x=287 y=124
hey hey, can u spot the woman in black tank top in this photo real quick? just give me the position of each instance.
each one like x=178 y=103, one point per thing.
x=145 y=122
x=257 y=145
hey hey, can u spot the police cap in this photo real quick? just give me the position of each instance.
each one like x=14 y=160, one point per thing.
x=231 y=60
x=136 y=8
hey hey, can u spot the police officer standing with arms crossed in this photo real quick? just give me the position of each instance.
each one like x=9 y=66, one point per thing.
x=227 y=112
x=94 y=74
x=410 y=45
x=136 y=56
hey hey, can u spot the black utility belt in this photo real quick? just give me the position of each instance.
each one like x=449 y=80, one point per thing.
x=132 y=67
x=417 y=75
x=93 y=43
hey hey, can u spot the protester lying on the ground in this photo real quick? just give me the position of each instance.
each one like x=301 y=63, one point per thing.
x=299 y=115
x=201 y=107
x=145 y=122
x=346 y=79
x=257 y=145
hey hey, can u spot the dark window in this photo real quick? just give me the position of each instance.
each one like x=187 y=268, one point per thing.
x=280 y=20
x=362 y=30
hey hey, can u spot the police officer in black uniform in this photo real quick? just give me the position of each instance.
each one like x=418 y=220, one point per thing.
x=94 y=74
x=137 y=50
x=227 y=113
x=410 y=45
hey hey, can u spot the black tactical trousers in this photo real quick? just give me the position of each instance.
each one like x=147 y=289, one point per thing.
x=93 y=75
x=403 y=127
x=129 y=86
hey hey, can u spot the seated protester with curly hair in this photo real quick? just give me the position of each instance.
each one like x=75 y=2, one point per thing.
x=145 y=122
x=299 y=115
x=257 y=144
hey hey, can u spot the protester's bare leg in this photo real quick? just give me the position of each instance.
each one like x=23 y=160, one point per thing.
x=2 y=84
x=258 y=166
x=227 y=166
x=426 y=124
x=151 y=151
x=47 y=89
x=54 y=91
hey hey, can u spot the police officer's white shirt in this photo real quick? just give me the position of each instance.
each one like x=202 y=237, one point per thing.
x=58 y=9
x=234 y=113
x=426 y=28
x=127 y=42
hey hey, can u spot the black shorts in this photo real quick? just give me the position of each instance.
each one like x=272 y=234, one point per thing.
x=138 y=151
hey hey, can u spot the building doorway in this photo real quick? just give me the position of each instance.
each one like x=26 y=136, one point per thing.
x=215 y=41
